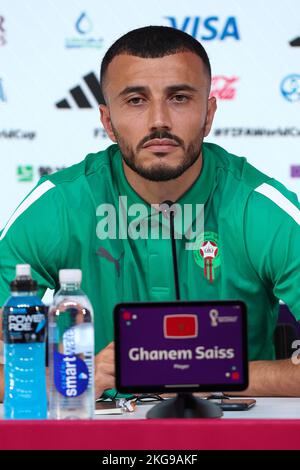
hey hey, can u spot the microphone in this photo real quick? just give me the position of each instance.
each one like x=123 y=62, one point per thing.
x=168 y=210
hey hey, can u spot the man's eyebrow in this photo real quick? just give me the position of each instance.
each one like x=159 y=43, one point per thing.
x=170 y=89
x=181 y=87
x=133 y=89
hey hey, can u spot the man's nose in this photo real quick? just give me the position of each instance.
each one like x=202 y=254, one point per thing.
x=159 y=116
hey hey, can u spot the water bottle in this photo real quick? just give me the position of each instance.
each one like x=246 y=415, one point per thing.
x=24 y=324
x=71 y=351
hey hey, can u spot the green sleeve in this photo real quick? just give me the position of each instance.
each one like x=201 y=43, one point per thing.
x=272 y=237
x=35 y=237
x=113 y=393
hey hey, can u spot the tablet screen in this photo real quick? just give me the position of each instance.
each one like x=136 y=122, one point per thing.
x=187 y=346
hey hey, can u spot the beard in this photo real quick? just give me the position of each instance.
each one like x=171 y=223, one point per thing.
x=160 y=171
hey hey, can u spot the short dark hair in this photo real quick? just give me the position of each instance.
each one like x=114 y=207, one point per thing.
x=153 y=42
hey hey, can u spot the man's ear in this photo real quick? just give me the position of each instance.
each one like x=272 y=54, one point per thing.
x=105 y=119
x=211 y=109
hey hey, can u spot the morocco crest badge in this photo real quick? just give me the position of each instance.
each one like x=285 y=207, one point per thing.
x=207 y=254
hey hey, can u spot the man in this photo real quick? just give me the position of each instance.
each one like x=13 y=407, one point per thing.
x=156 y=84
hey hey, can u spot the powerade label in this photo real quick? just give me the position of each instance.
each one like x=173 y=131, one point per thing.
x=24 y=325
x=71 y=375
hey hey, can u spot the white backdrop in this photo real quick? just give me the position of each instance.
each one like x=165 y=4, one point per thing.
x=48 y=47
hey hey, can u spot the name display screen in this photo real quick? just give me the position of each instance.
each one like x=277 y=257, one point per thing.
x=192 y=346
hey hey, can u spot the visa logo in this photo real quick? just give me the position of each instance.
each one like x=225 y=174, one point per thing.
x=207 y=29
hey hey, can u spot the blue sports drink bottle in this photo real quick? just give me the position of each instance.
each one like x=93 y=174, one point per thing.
x=24 y=325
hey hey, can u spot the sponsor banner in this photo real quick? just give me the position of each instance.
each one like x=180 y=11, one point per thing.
x=30 y=173
x=295 y=42
x=50 y=56
x=3 y=39
x=257 y=132
x=290 y=87
x=78 y=94
x=2 y=93
x=207 y=28
x=223 y=88
x=295 y=171
x=83 y=37
x=18 y=134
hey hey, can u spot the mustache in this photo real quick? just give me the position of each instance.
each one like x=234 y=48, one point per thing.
x=160 y=135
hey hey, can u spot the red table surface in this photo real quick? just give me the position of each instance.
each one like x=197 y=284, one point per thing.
x=168 y=434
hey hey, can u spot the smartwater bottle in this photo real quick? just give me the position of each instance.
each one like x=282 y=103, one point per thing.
x=71 y=351
x=24 y=324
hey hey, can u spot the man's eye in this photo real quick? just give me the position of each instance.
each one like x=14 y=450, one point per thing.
x=135 y=100
x=180 y=98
